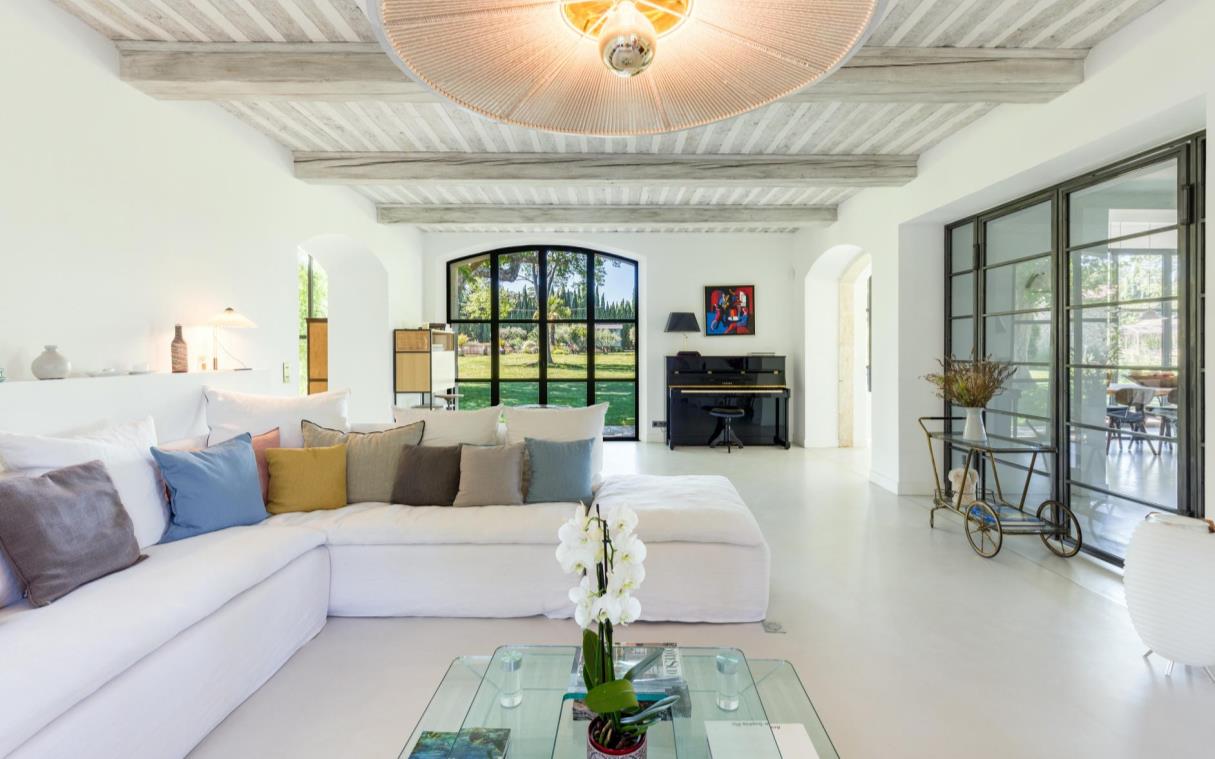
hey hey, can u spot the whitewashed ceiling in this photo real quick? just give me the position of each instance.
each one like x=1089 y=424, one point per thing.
x=784 y=128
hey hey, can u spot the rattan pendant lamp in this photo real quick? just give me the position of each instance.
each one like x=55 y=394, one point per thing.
x=619 y=67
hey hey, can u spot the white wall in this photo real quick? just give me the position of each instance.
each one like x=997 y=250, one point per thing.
x=1151 y=82
x=674 y=268
x=123 y=215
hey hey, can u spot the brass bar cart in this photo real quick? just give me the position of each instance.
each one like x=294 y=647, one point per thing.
x=987 y=515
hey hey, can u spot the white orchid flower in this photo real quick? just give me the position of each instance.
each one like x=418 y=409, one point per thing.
x=577 y=559
x=630 y=611
x=621 y=521
x=583 y=596
x=626 y=578
x=629 y=550
x=607 y=608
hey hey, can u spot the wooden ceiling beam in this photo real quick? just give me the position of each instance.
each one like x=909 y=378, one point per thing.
x=613 y=169
x=613 y=215
x=361 y=71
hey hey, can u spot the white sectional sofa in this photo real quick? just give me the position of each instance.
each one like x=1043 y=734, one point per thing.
x=145 y=662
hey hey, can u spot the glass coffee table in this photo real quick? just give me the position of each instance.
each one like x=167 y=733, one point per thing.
x=542 y=725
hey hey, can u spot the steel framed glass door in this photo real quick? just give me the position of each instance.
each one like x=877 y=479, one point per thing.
x=1126 y=256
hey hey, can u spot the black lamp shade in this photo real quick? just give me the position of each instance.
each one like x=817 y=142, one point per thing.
x=682 y=321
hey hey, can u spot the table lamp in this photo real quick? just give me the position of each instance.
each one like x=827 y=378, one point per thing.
x=228 y=319
x=685 y=322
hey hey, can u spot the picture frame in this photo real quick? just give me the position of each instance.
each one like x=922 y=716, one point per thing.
x=729 y=310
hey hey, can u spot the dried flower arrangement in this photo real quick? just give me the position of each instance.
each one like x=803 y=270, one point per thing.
x=971 y=384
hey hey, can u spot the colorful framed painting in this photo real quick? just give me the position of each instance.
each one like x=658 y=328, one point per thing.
x=729 y=310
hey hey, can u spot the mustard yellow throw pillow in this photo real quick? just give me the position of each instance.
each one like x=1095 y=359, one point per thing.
x=306 y=479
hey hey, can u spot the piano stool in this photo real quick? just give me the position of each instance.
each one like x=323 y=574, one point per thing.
x=725 y=422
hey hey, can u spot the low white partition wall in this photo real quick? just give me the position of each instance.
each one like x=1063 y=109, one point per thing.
x=175 y=401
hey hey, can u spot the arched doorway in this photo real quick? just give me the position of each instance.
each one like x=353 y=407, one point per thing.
x=836 y=348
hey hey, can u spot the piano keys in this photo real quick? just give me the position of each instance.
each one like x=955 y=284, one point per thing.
x=755 y=384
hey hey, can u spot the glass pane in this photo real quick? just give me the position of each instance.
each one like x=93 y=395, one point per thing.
x=1012 y=480
x=615 y=288
x=1022 y=338
x=518 y=351
x=1028 y=392
x=622 y=409
x=1106 y=521
x=1020 y=234
x=615 y=351
x=1145 y=334
x=567 y=351
x=474 y=395
x=572 y=394
x=566 y=284
x=962 y=338
x=1018 y=287
x=962 y=302
x=1145 y=267
x=519 y=393
x=1129 y=204
x=518 y=277
x=472 y=355
x=962 y=247
x=1020 y=428
x=470 y=289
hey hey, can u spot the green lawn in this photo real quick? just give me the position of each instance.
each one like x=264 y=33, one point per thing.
x=621 y=397
x=621 y=365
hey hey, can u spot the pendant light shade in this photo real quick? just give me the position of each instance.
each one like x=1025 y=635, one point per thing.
x=619 y=67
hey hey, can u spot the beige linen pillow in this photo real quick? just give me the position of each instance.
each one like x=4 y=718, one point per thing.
x=490 y=476
x=371 y=457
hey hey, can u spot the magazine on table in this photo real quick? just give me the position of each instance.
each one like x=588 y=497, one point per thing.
x=661 y=679
x=474 y=743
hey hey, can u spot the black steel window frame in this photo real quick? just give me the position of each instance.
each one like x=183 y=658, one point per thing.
x=1190 y=154
x=495 y=381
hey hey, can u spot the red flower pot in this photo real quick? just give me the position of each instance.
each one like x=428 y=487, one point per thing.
x=595 y=751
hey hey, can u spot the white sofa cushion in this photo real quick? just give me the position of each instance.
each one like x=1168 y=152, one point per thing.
x=126 y=451
x=57 y=655
x=699 y=509
x=562 y=425
x=231 y=414
x=479 y=427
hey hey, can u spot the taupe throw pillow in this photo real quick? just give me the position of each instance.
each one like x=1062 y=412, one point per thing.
x=428 y=475
x=64 y=529
x=371 y=457
x=491 y=476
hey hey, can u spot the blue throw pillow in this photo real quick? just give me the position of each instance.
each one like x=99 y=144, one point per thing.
x=560 y=471
x=211 y=489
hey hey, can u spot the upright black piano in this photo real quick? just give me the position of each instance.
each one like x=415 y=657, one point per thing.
x=755 y=384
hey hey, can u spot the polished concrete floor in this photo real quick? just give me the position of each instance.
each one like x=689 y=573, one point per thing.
x=908 y=643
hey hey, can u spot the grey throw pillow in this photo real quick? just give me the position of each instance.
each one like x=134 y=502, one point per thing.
x=491 y=476
x=428 y=475
x=371 y=457
x=64 y=529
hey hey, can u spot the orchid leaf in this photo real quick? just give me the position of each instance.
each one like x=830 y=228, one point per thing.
x=651 y=713
x=642 y=665
x=592 y=659
x=611 y=697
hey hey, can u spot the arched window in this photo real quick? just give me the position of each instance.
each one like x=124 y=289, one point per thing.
x=547 y=325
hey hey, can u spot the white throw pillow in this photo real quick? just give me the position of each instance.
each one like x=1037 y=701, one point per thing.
x=449 y=428
x=231 y=414
x=126 y=451
x=563 y=425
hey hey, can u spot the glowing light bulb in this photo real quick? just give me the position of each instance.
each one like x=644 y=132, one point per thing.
x=627 y=41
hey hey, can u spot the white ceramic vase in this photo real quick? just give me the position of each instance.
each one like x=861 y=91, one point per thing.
x=51 y=364
x=974 y=429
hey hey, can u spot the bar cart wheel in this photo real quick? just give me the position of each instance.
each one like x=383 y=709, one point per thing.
x=1064 y=541
x=983 y=530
